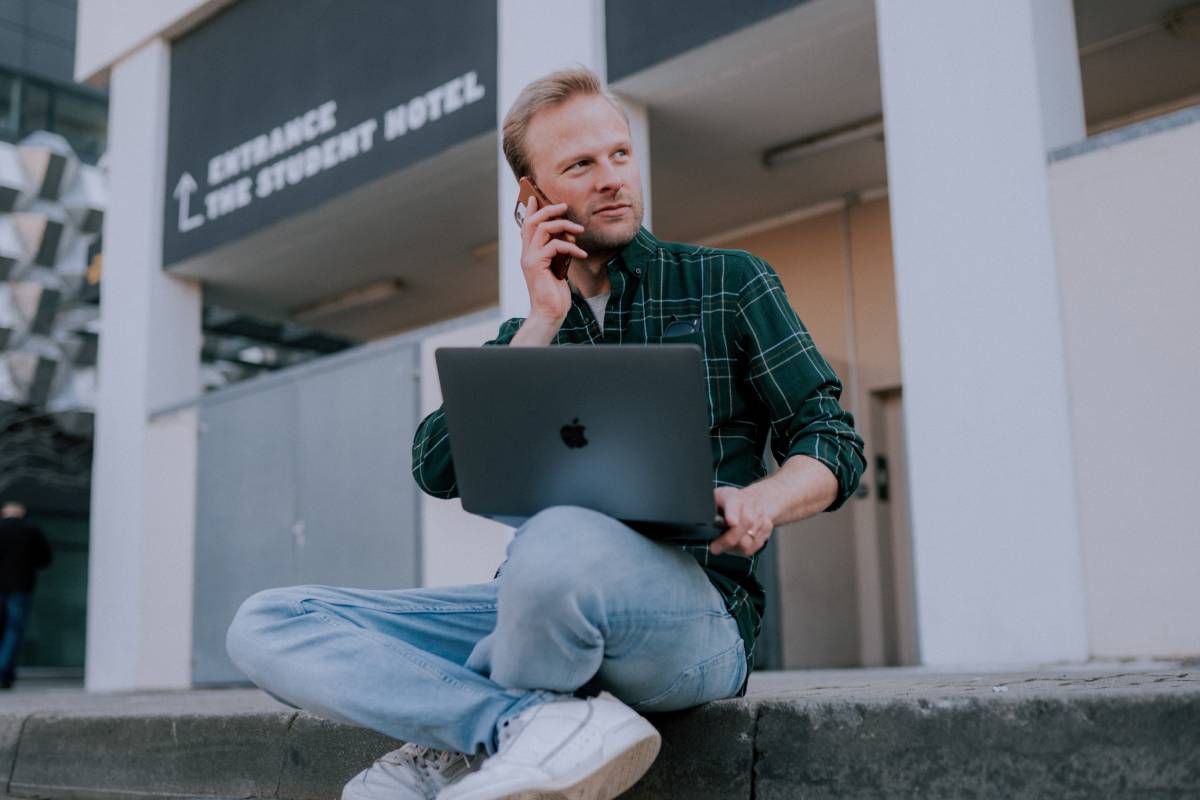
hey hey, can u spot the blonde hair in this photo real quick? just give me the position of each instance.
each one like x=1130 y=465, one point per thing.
x=552 y=90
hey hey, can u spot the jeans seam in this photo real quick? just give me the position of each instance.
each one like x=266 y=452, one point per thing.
x=531 y=698
x=332 y=621
x=671 y=616
x=742 y=673
x=440 y=608
x=692 y=670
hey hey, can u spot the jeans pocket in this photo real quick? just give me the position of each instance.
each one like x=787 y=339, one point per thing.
x=714 y=679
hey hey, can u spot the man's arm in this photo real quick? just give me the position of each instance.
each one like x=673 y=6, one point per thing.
x=549 y=302
x=536 y=332
x=812 y=436
x=432 y=467
x=803 y=487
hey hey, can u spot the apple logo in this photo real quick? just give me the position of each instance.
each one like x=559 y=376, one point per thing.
x=572 y=435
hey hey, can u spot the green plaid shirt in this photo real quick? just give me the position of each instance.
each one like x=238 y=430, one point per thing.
x=763 y=374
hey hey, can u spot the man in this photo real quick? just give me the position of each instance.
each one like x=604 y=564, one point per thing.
x=23 y=551
x=494 y=685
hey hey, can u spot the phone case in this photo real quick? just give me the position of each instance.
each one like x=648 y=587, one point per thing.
x=526 y=190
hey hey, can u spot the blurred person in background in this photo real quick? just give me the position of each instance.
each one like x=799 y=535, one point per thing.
x=23 y=551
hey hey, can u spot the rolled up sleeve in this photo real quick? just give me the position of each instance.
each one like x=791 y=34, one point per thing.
x=432 y=465
x=795 y=383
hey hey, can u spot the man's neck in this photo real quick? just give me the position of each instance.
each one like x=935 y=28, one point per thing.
x=590 y=275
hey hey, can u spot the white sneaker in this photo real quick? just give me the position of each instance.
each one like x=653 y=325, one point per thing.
x=413 y=772
x=568 y=750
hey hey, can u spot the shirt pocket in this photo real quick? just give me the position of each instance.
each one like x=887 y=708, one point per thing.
x=683 y=330
x=690 y=333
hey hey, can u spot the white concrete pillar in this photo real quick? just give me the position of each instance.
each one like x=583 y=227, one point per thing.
x=974 y=95
x=144 y=470
x=537 y=38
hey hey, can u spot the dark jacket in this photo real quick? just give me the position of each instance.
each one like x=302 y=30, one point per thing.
x=23 y=551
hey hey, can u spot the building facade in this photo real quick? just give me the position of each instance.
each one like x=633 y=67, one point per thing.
x=52 y=132
x=979 y=210
x=37 y=87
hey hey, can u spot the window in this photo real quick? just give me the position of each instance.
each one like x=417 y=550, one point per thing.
x=9 y=102
x=83 y=121
x=35 y=109
x=28 y=105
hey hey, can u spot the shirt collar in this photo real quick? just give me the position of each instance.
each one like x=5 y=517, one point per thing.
x=635 y=257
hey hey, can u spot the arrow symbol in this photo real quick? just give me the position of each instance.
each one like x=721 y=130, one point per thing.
x=183 y=193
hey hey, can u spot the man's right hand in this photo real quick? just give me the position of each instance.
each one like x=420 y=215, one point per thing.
x=549 y=297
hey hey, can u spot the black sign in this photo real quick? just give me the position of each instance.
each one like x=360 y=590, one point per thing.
x=642 y=34
x=279 y=106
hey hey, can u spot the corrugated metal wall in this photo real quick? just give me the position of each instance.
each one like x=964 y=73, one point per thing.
x=304 y=477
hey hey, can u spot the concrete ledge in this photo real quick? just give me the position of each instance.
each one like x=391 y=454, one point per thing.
x=844 y=734
x=1060 y=748
x=707 y=754
x=1127 y=133
x=10 y=735
x=320 y=756
x=162 y=756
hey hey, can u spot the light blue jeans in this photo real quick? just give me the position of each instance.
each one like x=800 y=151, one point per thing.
x=581 y=600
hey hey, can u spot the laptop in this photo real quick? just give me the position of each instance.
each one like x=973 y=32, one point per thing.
x=622 y=429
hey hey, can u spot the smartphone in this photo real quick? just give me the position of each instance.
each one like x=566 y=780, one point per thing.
x=526 y=190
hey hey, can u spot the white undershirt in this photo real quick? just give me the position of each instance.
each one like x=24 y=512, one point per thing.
x=598 y=304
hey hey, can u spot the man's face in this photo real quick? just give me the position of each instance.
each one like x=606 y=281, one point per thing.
x=581 y=155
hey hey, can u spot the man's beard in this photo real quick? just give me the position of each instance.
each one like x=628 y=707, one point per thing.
x=610 y=240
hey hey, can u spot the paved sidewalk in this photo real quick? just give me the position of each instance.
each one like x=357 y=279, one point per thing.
x=1099 y=730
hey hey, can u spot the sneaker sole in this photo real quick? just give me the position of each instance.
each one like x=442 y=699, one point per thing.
x=620 y=773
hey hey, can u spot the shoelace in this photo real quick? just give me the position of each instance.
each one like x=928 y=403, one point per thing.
x=429 y=766
x=420 y=757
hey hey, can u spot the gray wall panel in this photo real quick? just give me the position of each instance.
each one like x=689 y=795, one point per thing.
x=12 y=11
x=304 y=478
x=53 y=20
x=245 y=510
x=50 y=59
x=12 y=48
x=355 y=428
x=641 y=34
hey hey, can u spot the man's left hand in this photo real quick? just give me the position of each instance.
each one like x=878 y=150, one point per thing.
x=749 y=523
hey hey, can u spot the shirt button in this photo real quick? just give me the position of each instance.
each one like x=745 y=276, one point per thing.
x=637 y=270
